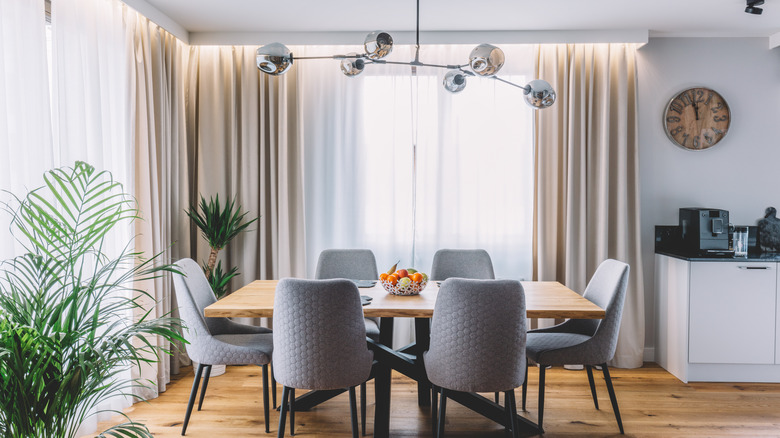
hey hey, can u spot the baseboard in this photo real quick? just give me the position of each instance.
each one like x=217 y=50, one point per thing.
x=649 y=355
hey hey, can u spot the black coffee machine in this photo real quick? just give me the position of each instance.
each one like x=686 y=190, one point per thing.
x=705 y=231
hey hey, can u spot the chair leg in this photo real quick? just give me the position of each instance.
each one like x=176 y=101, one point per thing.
x=498 y=399
x=353 y=411
x=525 y=386
x=612 y=396
x=434 y=408
x=273 y=383
x=193 y=393
x=363 y=408
x=592 y=385
x=292 y=411
x=511 y=409
x=442 y=413
x=542 y=368
x=283 y=411
x=205 y=385
x=266 y=415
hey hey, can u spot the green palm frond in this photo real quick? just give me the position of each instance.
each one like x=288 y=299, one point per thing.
x=64 y=340
x=220 y=279
x=217 y=224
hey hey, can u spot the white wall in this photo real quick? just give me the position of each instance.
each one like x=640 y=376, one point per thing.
x=740 y=174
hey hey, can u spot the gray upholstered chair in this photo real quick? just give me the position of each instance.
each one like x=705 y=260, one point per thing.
x=352 y=264
x=215 y=341
x=585 y=342
x=319 y=341
x=462 y=263
x=477 y=343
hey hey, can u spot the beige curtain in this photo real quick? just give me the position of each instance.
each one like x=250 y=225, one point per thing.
x=586 y=204
x=156 y=61
x=245 y=142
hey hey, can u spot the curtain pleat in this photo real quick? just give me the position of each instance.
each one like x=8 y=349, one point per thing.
x=586 y=202
x=158 y=141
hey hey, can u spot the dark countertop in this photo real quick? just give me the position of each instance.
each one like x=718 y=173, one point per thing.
x=752 y=257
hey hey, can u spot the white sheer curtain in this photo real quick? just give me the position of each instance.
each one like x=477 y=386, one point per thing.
x=474 y=161
x=90 y=107
x=25 y=128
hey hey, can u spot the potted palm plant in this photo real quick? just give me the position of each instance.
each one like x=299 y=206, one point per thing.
x=65 y=334
x=218 y=225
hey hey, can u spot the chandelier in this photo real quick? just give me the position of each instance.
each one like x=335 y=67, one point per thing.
x=484 y=61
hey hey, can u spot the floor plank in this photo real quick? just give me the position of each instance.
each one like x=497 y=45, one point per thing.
x=652 y=403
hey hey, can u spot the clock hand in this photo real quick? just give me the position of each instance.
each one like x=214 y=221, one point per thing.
x=696 y=110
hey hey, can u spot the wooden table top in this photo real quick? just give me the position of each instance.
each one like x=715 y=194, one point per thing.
x=544 y=299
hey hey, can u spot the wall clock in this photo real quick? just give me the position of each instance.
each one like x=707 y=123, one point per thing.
x=697 y=118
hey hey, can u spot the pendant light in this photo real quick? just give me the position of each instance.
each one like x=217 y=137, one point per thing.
x=484 y=61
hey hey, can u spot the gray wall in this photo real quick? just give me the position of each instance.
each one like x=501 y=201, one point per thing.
x=741 y=173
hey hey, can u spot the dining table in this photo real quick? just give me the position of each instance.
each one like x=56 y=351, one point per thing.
x=544 y=299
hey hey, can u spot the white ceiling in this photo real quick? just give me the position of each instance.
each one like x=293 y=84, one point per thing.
x=690 y=18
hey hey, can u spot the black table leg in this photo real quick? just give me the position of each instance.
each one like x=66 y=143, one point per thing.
x=382 y=384
x=422 y=337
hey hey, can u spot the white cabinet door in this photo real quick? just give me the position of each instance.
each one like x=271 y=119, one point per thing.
x=732 y=313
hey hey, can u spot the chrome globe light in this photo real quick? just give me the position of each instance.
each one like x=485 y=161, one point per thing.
x=539 y=94
x=454 y=81
x=378 y=45
x=486 y=60
x=274 y=59
x=352 y=65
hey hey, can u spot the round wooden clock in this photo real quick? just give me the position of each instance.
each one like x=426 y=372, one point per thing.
x=697 y=118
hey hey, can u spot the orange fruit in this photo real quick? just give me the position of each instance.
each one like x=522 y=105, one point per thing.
x=392 y=279
x=383 y=276
x=416 y=277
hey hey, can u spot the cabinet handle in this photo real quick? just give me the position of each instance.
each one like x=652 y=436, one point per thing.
x=753 y=267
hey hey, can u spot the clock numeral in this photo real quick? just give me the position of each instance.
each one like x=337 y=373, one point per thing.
x=699 y=95
x=709 y=139
x=709 y=98
x=686 y=100
x=676 y=106
x=696 y=142
x=676 y=131
x=672 y=119
x=718 y=108
x=722 y=118
x=685 y=139
x=717 y=131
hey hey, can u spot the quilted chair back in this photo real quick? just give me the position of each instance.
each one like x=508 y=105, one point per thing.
x=607 y=289
x=478 y=336
x=319 y=335
x=462 y=263
x=353 y=264
x=193 y=293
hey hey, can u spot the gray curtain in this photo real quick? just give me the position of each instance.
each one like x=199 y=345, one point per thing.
x=586 y=203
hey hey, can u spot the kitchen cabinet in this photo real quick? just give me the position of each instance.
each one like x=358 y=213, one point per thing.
x=717 y=320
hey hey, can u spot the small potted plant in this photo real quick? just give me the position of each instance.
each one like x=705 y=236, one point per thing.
x=218 y=226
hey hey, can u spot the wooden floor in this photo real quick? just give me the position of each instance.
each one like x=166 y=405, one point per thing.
x=652 y=402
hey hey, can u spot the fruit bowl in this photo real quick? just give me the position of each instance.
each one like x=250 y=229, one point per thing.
x=410 y=289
